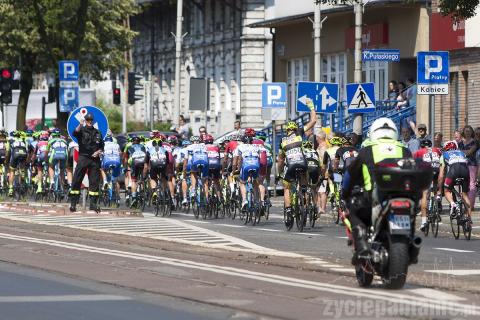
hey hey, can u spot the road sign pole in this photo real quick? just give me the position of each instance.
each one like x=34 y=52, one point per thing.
x=432 y=115
x=44 y=102
x=3 y=114
x=274 y=155
x=317 y=29
x=358 y=8
x=178 y=54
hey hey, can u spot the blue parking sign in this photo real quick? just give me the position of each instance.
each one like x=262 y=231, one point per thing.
x=433 y=74
x=274 y=95
x=100 y=120
x=68 y=75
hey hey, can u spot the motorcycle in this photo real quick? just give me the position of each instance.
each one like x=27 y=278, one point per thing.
x=391 y=237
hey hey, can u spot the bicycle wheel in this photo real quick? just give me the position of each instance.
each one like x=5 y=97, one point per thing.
x=168 y=203
x=466 y=226
x=334 y=210
x=301 y=213
x=435 y=221
x=454 y=223
x=195 y=209
x=288 y=220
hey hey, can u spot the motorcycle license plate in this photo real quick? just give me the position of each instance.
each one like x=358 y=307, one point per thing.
x=399 y=223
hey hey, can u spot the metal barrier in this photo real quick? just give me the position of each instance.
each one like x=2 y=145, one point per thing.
x=343 y=122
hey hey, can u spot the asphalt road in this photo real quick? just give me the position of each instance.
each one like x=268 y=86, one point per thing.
x=183 y=268
x=33 y=294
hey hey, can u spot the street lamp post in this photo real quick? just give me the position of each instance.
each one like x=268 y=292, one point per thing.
x=358 y=9
x=178 y=54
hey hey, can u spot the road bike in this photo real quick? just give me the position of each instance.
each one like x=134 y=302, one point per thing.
x=459 y=218
x=110 y=194
x=252 y=210
x=298 y=203
x=434 y=209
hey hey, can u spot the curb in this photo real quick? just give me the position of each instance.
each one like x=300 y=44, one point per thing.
x=57 y=209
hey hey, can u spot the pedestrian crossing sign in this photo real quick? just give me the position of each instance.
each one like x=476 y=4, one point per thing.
x=361 y=97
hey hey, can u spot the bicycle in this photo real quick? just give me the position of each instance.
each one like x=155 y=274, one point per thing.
x=297 y=200
x=19 y=185
x=199 y=202
x=459 y=218
x=140 y=200
x=434 y=208
x=252 y=210
x=335 y=197
x=110 y=194
x=163 y=199
x=56 y=194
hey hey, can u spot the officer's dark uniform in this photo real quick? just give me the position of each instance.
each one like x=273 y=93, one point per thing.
x=89 y=141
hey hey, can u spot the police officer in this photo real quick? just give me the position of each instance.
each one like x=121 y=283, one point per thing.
x=90 y=144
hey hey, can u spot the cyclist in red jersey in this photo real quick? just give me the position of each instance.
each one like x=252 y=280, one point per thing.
x=430 y=155
x=228 y=158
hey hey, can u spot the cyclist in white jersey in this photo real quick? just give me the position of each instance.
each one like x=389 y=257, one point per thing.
x=197 y=160
x=112 y=156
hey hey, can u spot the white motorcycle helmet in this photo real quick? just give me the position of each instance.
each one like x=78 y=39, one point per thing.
x=383 y=128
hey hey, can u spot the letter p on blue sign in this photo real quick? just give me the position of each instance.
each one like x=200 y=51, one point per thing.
x=274 y=95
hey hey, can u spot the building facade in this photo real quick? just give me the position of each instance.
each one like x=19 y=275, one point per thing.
x=217 y=46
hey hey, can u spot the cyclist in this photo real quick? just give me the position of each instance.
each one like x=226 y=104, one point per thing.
x=166 y=144
x=157 y=160
x=432 y=156
x=183 y=157
x=4 y=154
x=454 y=165
x=111 y=160
x=246 y=161
x=263 y=136
x=314 y=170
x=197 y=162
x=126 y=167
x=262 y=174
x=291 y=157
x=383 y=146
x=40 y=157
x=57 y=153
x=136 y=156
x=228 y=159
x=214 y=165
x=345 y=155
x=18 y=158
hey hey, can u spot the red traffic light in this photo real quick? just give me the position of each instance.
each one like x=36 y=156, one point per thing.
x=6 y=74
x=116 y=91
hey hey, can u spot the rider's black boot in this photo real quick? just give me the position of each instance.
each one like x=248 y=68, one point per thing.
x=73 y=202
x=360 y=239
x=93 y=203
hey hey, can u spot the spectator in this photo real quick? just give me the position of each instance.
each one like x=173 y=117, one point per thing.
x=182 y=128
x=202 y=130
x=402 y=98
x=457 y=136
x=438 y=140
x=392 y=91
x=411 y=92
x=469 y=147
x=322 y=189
x=237 y=125
x=477 y=135
x=412 y=143
x=422 y=133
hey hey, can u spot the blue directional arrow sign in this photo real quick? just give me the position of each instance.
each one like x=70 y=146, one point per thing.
x=324 y=96
x=100 y=120
x=361 y=97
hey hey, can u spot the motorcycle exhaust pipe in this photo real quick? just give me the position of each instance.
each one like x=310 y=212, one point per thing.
x=415 y=249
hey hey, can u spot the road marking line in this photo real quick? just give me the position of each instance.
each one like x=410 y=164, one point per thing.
x=348 y=270
x=436 y=294
x=454 y=250
x=310 y=234
x=196 y=221
x=229 y=225
x=271 y=230
x=396 y=298
x=62 y=298
x=341 y=237
x=466 y=272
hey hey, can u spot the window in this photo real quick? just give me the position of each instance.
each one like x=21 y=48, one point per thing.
x=334 y=70
x=297 y=70
x=377 y=72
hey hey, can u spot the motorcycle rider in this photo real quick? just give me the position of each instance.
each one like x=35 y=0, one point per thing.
x=383 y=146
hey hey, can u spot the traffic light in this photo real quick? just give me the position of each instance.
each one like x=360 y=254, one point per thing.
x=116 y=96
x=133 y=86
x=6 y=85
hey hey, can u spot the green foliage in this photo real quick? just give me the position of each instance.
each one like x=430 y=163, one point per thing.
x=459 y=9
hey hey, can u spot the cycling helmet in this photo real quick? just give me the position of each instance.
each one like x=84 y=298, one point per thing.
x=161 y=137
x=336 y=141
x=195 y=139
x=173 y=140
x=383 y=128
x=55 y=133
x=29 y=132
x=108 y=138
x=249 y=132
x=425 y=143
x=261 y=135
x=186 y=143
x=136 y=139
x=12 y=133
x=347 y=140
x=3 y=133
x=291 y=125
x=307 y=144
x=154 y=133
x=450 y=145
x=207 y=138
x=44 y=136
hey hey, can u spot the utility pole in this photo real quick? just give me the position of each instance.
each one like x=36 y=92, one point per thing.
x=317 y=29
x=358 y=9
x=178 y=55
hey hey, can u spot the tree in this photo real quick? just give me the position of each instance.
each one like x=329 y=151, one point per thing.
x=42 y=32
x=459 y=9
